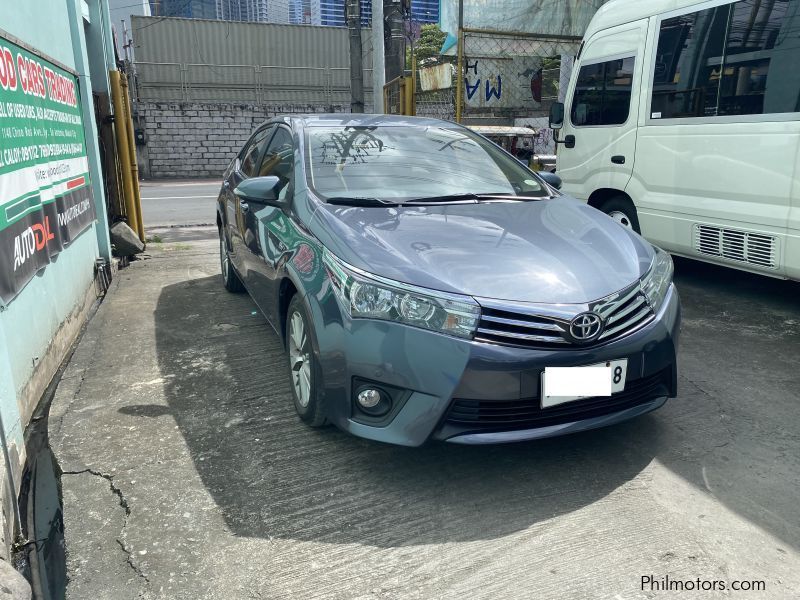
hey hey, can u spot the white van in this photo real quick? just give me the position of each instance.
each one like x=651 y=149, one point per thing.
x=682 y=121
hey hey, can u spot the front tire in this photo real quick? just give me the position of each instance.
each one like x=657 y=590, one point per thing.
x=229 y=277
x=622 y=210
x=304 y=377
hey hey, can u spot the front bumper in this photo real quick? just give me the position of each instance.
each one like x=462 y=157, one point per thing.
x=454 y=388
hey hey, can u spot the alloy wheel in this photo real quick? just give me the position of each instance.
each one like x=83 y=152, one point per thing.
x=223 y=258
x=300 y=359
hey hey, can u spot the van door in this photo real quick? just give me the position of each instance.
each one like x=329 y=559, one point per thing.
x=602 y=112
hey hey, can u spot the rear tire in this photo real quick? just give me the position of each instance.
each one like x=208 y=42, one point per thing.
x=622 y=210
x=230 y=279
x=304 y=371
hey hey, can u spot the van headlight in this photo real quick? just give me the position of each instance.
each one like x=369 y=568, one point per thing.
x=656 y=282
x=369 y=296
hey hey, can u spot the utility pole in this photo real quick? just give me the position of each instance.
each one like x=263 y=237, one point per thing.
x=393 y=18
x=460 y=63
x=353 y=8
x=378 y=59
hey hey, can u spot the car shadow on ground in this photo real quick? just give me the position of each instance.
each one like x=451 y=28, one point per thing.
x=731 y=432
x=272 y=476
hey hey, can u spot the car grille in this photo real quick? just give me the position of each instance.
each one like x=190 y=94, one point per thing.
x=622 y=313
x=500 y=415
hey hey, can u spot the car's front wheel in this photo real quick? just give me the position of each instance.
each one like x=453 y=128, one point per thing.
x=303 y=368
x=229 y=276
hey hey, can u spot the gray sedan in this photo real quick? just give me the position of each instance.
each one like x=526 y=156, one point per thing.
x=428 y=286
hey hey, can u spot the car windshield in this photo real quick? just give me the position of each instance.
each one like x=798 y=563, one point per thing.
x=410 y=162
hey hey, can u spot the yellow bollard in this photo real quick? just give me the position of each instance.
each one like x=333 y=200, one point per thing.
x=123 y=150
x=137 y=199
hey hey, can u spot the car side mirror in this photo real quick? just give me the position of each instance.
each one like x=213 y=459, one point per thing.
x=261 y=190
x=556 y=115
x=552 y=179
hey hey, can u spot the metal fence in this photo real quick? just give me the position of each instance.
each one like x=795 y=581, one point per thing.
x=508 y=75
x=323 y=87
x=437 y=104
x=503 y=77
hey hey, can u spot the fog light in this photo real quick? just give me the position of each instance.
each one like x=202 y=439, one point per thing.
x=369 y=398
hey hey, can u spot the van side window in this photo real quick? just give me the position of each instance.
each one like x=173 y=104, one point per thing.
x=603 y=93
x=738 y=59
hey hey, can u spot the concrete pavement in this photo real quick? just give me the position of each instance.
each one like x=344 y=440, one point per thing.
x=187 y=474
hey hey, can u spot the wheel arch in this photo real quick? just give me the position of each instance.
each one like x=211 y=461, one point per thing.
x=286 y=291
x=598 y=197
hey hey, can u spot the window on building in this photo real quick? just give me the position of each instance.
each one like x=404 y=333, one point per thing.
x=737 y=59
x=603 y=93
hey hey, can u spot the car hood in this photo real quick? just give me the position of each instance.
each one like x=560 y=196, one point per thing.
x=551 y=251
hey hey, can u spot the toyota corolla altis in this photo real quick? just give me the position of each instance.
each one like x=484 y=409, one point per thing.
x=428 y=286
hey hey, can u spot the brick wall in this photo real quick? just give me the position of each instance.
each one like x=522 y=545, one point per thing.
x=184 y=140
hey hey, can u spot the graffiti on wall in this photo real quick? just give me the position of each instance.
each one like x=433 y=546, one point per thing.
x=511 y=83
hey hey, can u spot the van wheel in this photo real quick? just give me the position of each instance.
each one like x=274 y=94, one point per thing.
x=621 y=209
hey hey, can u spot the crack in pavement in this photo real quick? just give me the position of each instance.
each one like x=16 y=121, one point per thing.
x=123 y=502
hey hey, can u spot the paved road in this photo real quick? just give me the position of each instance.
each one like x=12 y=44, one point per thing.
x=187 y=474
x=178 y=203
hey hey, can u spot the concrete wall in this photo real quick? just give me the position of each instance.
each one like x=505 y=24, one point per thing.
x=199 y=140
x=40 y=324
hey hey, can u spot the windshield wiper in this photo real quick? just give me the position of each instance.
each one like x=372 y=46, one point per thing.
x=473 y=197
x=354 y=201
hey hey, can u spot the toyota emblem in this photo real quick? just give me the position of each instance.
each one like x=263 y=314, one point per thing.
x=586 y=327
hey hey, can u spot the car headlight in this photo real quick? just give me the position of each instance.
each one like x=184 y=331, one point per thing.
x=369 y=296
x=657 y=280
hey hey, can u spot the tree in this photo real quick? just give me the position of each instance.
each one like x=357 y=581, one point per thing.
x=429 y=43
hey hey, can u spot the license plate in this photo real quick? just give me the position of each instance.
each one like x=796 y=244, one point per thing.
x=567 y=384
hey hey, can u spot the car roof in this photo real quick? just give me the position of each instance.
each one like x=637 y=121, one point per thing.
x=361 y=120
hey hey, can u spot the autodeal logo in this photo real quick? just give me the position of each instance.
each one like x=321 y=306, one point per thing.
x=32 y=240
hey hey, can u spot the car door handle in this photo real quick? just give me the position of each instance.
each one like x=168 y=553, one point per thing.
x=618 y=159
x=569 y=141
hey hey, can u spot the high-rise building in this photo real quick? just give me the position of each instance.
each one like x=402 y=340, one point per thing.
x=425 y=11
x=310 y=12
x=229 y=10
x=305 y=12
x=259 y=11
x=190 y=9
x=332 y=13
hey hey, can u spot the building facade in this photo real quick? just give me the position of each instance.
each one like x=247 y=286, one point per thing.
x=53 y=225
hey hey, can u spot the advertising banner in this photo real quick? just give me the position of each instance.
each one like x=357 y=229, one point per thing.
x=45 y=196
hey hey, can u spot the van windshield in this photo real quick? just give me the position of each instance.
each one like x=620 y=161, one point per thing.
x=405 y=162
